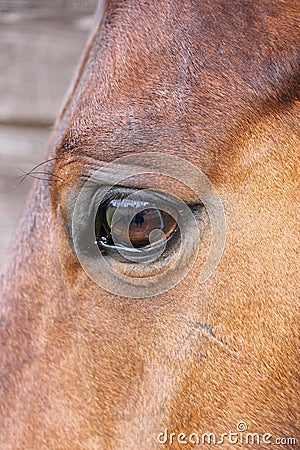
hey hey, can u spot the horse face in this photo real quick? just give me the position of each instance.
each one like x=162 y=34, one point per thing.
x=87 y=367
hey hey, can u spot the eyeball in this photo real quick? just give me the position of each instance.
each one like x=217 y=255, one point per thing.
x=137 y=224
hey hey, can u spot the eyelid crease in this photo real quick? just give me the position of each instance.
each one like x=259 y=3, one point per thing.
x=102 y=173
x=121 y=192
x=168 y=188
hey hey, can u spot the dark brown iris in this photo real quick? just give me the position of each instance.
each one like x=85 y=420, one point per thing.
x=137 y=227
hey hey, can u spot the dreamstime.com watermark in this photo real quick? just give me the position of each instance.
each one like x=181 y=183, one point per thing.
x=241 y=435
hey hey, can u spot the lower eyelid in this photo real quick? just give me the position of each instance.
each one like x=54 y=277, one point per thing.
x=172 y=247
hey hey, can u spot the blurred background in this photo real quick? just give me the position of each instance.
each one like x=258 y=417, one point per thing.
x=41 y=42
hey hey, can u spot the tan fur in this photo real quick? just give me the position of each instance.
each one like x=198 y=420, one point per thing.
x=218 y=84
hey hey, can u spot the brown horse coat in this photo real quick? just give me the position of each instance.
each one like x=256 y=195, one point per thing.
x=216 y=83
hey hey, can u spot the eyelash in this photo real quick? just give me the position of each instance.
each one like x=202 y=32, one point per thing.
x=134 y=223
x=169 y=226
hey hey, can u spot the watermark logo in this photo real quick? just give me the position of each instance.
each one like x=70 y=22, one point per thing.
x=109 y=265
x=240 y=436
x=242 y=426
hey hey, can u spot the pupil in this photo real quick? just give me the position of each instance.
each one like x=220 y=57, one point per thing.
x=143 y=223
x=139 y=219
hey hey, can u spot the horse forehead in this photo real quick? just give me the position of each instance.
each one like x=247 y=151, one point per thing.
x=180 y=68
x=182 y=42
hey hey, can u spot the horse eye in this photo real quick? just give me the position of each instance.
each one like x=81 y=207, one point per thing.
x=135 y=224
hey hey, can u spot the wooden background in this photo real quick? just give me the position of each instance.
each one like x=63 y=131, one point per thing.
x=40 y=46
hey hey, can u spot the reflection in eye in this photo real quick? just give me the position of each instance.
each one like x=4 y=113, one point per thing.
x=138 y=230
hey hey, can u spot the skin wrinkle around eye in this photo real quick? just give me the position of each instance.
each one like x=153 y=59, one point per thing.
x=158 y=162
x=79 y=170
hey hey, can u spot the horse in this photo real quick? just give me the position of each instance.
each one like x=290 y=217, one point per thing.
x=212 y=86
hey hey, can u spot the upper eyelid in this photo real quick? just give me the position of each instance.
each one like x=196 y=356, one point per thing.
x=164 y=194
x=147 y=180
x=103 y=173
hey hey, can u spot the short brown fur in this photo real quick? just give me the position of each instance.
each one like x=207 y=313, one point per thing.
x=216 y=83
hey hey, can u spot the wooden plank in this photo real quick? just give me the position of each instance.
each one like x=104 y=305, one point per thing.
x=39 y=50
x=40 y=47
x=20 y=148
x=67 y=7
